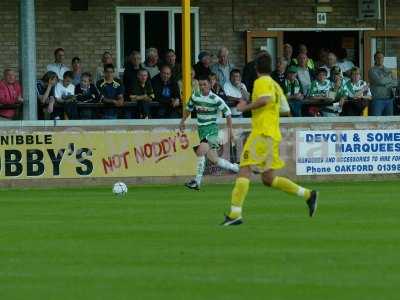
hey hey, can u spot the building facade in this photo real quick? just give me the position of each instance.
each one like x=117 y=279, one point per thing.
x=120 y=26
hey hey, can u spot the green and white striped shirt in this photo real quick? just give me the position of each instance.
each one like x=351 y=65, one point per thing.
x=207 y=108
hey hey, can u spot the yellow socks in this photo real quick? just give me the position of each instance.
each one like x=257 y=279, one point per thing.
x=238 y=195
x=288 y=186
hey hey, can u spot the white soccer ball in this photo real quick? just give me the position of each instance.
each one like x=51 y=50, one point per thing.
x=120 y=189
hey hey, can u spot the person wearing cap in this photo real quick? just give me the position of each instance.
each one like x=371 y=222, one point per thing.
x=202 y=68
x=293 y=91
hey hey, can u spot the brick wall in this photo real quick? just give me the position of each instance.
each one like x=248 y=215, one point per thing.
x=88 y=34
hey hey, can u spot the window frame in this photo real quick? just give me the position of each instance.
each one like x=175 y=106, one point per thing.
x=141 y=10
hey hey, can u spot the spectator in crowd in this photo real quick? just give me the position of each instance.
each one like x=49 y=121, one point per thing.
x=45 y=94
x=338 y=93
x=288 y=54
x=64 y=94
x=235 y=91
x=166 y=94
x=106 y=59
x=112 y=93
x=304 y=74
x=294 y=92
x=304 y=51
x=249 y=71
x=142 y=93
x=10 y=93
x=222 y=68
x=319 y=91
x=170 y=60
x=151 y=62
x=382 y=85
x=195 y=84
x=322 y=57
x=359 y=94
x=345 y=64
x=332 y=62
x=132 y=68
x=279 y=74
x=216 y=88
x=76 y=70
x=202 y=68
x=58 y=66
x=86 y=92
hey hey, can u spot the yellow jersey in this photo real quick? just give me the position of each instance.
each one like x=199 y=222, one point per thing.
x=265 y=120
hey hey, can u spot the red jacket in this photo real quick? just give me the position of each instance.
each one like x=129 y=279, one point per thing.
x=9 y=94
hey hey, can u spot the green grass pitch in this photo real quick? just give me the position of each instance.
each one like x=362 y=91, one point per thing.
x=164 y=242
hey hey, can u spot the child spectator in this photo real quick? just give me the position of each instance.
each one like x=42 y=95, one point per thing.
x=86 y=92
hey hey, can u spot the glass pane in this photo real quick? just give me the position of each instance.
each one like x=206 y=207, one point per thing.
x=178 y=37
x=157 y=31
x=391 y=48
x=130 y=33
x=269 y=44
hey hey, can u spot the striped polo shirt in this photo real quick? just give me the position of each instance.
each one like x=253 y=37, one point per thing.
x=207 y=108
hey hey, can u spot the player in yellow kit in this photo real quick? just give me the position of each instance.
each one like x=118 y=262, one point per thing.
x=261 y=151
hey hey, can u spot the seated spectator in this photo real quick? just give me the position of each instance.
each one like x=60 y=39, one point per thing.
x=10 y=93
x=64 y=93
x=235 y=91
x=151 y=62
x=382 y=85
x=112 y=93
x=45 y=94
x=279 y=75
x=304 y=51
x=338 y=92
x=202 y=68
x=166 y=94
x=359 y=94
x=170 y=60
x=216 y=88
x=106 y=59
x=294 y=92
x=319 y=91
x=304 y=74
x=288 y=54
x=132 y=68
x=222 y=68
x=76 y=70
x=249 y=71
x=195 y=84
x=86 y=92
x=142 y=94
x=58 y=66
x=345 y=64
x=332 y=62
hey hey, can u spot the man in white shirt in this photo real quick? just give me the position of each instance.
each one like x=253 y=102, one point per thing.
x=64 y=93
x=235 y=91
x=58 y=66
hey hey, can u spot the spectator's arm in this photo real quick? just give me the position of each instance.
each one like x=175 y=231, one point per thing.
x=379 y=80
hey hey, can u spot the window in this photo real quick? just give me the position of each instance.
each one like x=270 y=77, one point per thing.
x=159 y=27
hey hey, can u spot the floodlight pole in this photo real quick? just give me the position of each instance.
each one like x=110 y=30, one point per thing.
x=186 y=51
x=27 y=54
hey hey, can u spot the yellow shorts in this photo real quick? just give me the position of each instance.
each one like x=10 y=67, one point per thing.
x=262 y=153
